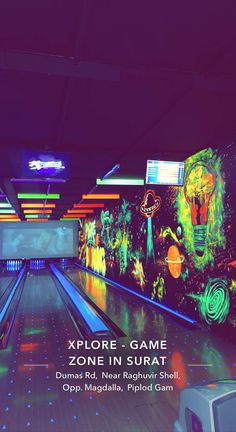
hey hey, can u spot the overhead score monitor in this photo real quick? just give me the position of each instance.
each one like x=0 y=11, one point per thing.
x=165 y=173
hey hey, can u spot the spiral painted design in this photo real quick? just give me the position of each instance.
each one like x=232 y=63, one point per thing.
x=214 y=305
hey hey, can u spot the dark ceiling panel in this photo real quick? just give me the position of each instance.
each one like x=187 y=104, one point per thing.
x=109 y=115
x=30 y=108
x=47 y=26
x=179 y=34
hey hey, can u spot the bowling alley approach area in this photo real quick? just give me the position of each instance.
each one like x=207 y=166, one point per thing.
x=117 y=216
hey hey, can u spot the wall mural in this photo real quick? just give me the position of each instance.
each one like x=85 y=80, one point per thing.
x=175 y=245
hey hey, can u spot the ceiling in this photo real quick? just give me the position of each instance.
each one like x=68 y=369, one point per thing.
x=112 y=82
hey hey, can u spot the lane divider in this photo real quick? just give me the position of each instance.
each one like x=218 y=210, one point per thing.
x=93 y=321
x=15 y=286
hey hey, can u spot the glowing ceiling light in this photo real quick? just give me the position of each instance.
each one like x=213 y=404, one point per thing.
x=8 y=216
x=35 y=216
x=10 y=220
x=68 y=216
x=74 y=218
x=9 y=211
x=37 y=220
x=38 y=196
x=33 y=211
x=89 y=205
x=5 y=205
x=120 y=182
x=38 y=205
x=80 y=211
x=101 y=196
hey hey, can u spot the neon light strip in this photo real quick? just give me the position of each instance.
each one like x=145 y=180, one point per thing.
x=38 y=205
x=120 y=182
x=37 y=220
x=112 y=171
x=115 y=284
x=34 y=216
x=9 y=211
x=91 y=318
x=73 y=218
x=12 y=293
x=5 y=205
x=95 y=205
x=74 y=215
x=9 y=216
x=10 y=220
x=32 y=211
x=101 y=196
x=80 y=211
x=46 y=180
x=38 y=196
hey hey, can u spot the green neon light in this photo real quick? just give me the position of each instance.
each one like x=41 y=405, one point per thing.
x=38 y=196
x=7 y=211
x=5 y=205
x=69 y=219
x=37 y=216
x=120 y=182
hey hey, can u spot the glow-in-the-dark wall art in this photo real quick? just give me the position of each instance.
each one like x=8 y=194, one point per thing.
x=174 y=244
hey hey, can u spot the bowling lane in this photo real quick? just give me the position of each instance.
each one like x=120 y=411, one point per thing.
x=5 y=278
x=136 y=318
x=37 y=347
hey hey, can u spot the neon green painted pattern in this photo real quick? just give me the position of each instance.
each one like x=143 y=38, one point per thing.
x=215 y=237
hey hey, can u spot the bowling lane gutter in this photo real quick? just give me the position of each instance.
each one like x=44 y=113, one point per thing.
x=86 y=319
x=8 y=306
x=118 y=332
x=6 y=287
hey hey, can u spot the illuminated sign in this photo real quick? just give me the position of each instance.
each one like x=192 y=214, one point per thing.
x=39 y=165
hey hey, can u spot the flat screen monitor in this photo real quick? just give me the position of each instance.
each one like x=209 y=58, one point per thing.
x=165 y=173
x=52 y=239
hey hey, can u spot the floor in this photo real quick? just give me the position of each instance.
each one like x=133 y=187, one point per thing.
x=33 y=399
